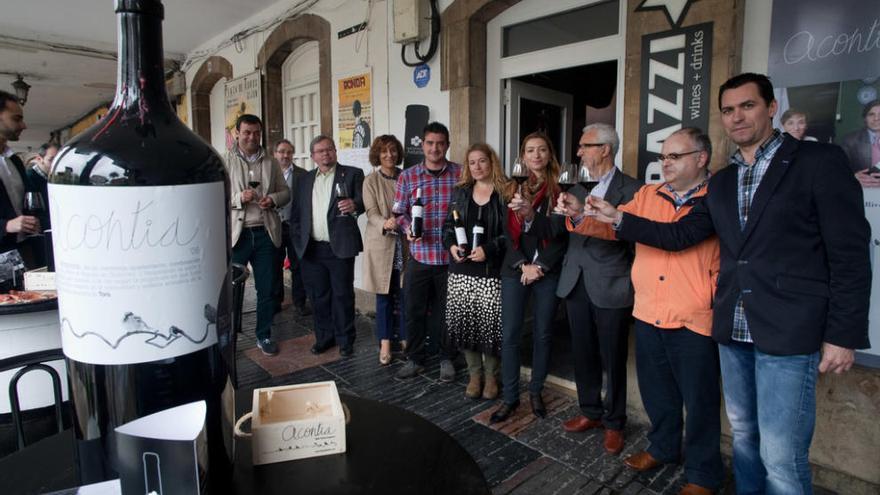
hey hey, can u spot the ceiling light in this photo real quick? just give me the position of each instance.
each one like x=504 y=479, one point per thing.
x=21 y=89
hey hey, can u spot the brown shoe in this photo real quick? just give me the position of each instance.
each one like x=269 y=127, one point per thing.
x=613 y=441
x=692 y=489
x=578 y=424
x=643 y=461
x=474 y=388
x=490 y=390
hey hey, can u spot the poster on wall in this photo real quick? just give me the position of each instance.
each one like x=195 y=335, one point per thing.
x=826 y=73
x=355 y=112
x=243 y=95
x=675 y=89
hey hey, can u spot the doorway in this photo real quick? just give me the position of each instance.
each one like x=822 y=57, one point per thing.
x=302 y=103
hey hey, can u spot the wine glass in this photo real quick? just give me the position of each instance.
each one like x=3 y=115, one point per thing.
x=34 y=205
x=254 y=181
x=519 y=173
x=395 y=212
x=567 y=179
x=341 y=193
x=585 y=180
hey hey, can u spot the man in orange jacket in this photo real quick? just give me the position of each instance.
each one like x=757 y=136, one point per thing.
x=676 y=358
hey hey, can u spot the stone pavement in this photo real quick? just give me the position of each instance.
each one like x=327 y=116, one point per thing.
x=525 y=455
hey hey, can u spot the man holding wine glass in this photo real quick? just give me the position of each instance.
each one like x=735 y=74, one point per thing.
x=257 y=189
x=15 y=223
x=325 y=234
x=595 y=283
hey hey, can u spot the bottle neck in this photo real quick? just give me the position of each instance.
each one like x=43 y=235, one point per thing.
x=140 y=76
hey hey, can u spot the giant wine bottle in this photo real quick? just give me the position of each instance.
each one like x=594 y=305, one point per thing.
x=139 y=208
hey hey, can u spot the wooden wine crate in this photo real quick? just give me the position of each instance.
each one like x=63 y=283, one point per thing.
x=295 y=422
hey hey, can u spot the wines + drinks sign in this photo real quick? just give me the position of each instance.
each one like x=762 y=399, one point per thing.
x=675 y=89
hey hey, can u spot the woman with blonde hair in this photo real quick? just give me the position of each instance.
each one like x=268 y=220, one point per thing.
x=474 y=235
x=537 y=241
x=384 y=247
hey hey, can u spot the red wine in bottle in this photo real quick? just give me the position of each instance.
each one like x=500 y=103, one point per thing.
x=460 y=235
x=418 y=215
x=139 y=207
x=478 y=234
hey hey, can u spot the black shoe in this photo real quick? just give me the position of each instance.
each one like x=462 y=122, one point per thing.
x=503 y=412
x=346 y=352
x=537 y=403
x=320 y=348
x=268 y=346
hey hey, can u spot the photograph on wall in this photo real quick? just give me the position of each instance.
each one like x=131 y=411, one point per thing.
x=826 y=74
x=243 y=95
x=355 y=112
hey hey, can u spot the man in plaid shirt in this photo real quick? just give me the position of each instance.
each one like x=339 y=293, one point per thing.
x=425 y=278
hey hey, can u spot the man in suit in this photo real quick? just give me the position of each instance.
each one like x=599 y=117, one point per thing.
x=326 y=237
x=595 y=283
x=283 y=153
x=795 y=279
x=13 y=225
x=257 y=188
x=863 y=146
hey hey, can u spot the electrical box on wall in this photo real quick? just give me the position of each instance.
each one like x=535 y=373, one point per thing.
x=411 y=20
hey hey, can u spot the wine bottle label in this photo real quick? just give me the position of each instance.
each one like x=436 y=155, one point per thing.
x=460 y=235
x=478 y=229
x=417 y=211
x=139 y=270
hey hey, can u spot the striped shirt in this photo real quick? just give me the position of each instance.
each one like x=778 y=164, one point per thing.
x=436 y=194
x=748 y=179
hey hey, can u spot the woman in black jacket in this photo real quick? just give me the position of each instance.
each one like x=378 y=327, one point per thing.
x=473 y=306
x=537 y=240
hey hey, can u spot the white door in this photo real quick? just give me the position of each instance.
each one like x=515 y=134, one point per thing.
x=302 y=102
x=530 y=108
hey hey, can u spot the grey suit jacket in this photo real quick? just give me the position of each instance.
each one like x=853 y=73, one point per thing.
x=345 y=235
x=605 y=265
x=857 y=146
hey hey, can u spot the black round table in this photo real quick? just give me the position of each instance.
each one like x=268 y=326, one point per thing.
x=389 y=450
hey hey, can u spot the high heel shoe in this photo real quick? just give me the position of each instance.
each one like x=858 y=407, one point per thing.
x=503 y=412
x=384 y=359
x=385 y=352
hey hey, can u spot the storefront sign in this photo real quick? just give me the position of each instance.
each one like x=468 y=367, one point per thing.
x=243 y=95
x=808 y=45
x=675 y=89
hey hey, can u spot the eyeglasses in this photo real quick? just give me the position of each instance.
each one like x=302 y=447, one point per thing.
x=584 y=146
x=675 y=156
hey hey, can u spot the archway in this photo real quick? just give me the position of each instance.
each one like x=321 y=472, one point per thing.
x=282 y=42
x=211 y=71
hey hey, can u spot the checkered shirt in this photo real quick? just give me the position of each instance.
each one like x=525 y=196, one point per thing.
x=436 y=194
x=748 y=179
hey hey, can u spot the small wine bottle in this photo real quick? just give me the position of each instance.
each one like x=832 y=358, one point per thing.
x=417 y=214
x=460 y=235
x=478 y=235
x=140 y=212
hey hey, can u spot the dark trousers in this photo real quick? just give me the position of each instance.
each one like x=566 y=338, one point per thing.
x=514 y=299
x=330 y=283
x=255 y=246
x=680 y=368
x=599 y=343
x=298 y=290
x=425 y=287
x=385 y=306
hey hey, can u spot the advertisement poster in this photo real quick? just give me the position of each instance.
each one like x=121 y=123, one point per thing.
x=243 y=95
x=826 y=74
x=355 y=112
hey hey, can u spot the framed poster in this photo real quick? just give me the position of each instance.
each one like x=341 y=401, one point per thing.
x=243 y=95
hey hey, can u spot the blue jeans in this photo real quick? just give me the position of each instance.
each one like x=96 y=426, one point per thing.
x=385 y=304
x=514 y=299
x=771 y=405
x=678 y=369
x=255 y=246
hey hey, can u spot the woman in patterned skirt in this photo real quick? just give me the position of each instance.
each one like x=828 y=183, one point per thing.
x=473 y=307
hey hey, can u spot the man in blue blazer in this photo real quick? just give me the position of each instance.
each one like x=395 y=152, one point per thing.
x=326 y=237
x=794 y=287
